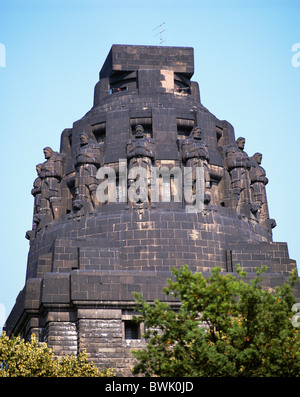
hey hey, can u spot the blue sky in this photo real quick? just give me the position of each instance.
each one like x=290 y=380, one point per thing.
x=56 y=48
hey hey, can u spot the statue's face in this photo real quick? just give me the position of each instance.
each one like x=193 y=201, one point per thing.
x=139 y=132
x=197 y=133
x=47 y=154
x=258 y=158
x=83 y=139
x=241 y=143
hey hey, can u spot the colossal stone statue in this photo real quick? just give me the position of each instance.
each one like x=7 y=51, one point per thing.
x=87 y=163
x=238 y=165
x=36 y=192
x=50 y=175
x=140 y=155
x=195 y=155
x=258 y=181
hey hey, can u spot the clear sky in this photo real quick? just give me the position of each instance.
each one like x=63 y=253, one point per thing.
x=54 y=50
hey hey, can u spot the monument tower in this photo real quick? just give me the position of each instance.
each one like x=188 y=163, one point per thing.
x=147 y=180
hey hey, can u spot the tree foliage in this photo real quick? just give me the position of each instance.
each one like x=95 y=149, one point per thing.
x=225 y=326
x=32 y=359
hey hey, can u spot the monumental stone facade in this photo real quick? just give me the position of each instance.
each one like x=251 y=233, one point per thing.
x=101 y=230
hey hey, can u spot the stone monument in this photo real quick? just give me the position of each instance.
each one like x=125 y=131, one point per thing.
x=117 y=207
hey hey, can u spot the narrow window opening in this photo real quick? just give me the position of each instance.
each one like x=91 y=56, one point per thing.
x=99 y=131
x=132 y=330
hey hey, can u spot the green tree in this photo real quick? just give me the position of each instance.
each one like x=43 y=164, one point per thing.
x=32 y=359
x=224 y=326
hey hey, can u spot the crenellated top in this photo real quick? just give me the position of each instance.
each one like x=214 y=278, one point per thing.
x=147 y=70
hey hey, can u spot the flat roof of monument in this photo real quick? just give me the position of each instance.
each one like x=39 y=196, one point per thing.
x=129 y=58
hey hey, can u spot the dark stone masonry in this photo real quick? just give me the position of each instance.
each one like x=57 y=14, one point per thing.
x=101 y=230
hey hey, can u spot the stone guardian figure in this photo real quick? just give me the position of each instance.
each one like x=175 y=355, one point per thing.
x=50 y=175
x=194 y=155
x=86 y=164
x=258 y=182
x=36 y=192
x=238 y=165
x=140 y=156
